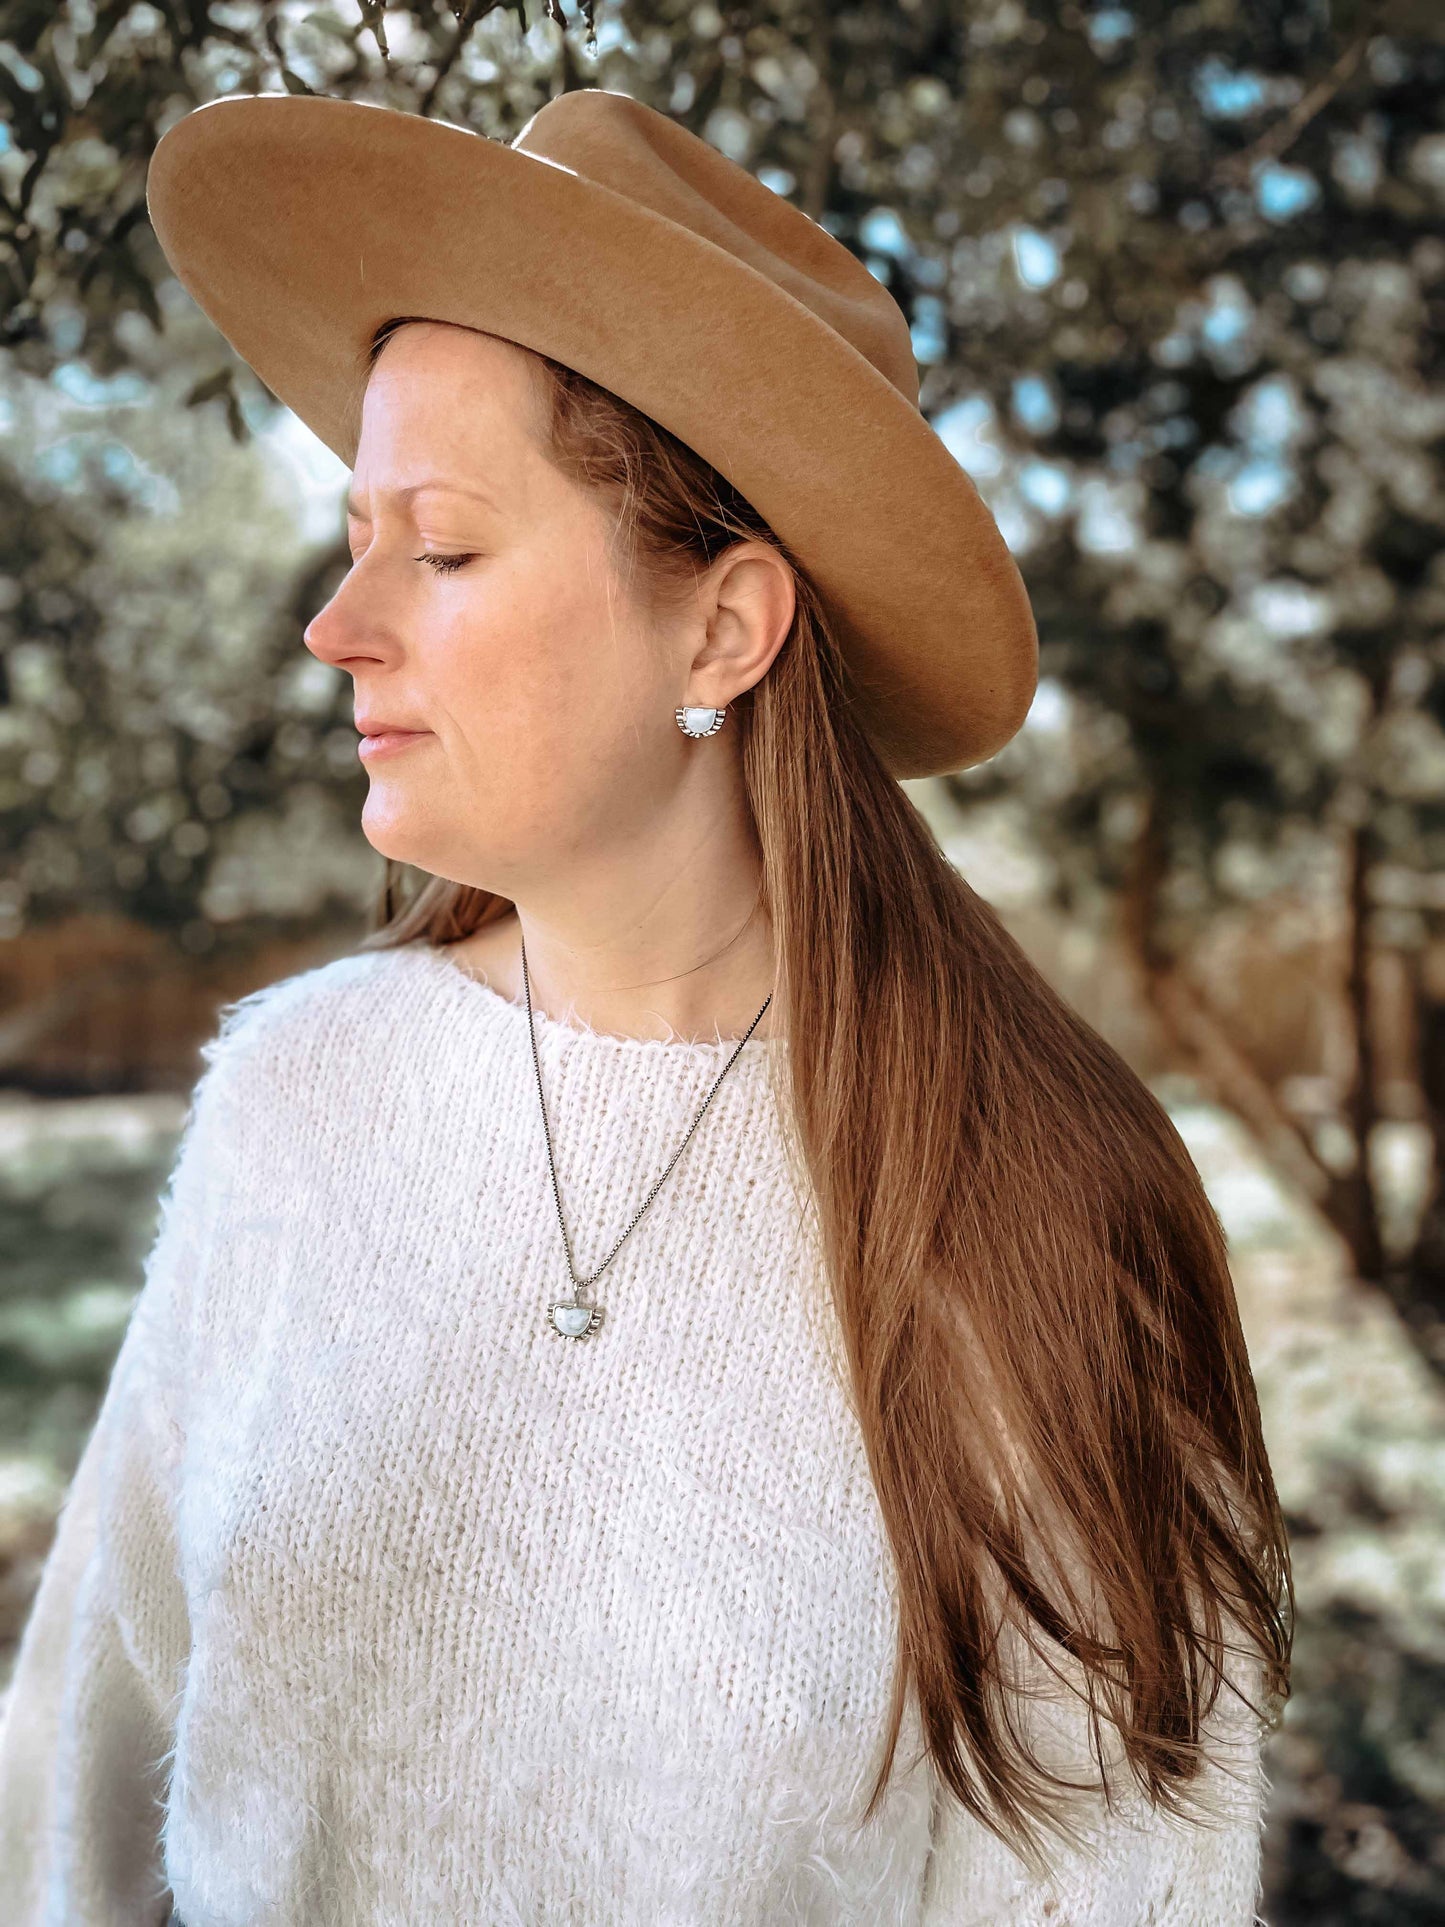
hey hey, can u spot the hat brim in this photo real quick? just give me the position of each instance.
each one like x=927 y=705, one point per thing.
x=299 y=224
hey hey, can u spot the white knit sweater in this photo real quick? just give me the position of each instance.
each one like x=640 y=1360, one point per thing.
x=376 y=1603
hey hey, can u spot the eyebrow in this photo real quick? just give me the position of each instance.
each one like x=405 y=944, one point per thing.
x=405 y=495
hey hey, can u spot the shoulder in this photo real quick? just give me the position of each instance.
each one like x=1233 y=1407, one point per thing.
x=308 y=1007
x=296 y=1029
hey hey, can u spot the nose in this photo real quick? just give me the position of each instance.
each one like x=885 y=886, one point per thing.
x=347 y=629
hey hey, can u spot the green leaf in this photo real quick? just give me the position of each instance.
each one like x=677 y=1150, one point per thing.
x=208 y=387
x=373 y=17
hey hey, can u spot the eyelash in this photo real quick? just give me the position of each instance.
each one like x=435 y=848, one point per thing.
x=445 y=564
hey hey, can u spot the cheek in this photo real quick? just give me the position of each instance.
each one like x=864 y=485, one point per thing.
x=543 y=667
x=532 y=706
x=493 y=677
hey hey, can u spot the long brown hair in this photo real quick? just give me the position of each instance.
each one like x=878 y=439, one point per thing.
x=1045 y=1352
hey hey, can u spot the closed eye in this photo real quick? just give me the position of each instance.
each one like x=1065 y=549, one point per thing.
x=446 y=564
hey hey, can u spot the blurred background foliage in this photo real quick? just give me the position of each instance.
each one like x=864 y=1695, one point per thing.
x=1176 y=280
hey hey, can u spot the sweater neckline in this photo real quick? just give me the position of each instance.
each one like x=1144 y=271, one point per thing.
x=514 y=1010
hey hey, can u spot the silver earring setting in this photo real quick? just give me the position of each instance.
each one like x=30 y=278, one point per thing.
x=700 y=722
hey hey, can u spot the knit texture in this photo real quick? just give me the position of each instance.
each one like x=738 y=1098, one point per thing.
x=376 y=1602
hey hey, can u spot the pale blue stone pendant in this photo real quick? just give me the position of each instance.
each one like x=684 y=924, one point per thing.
x=574 y=1320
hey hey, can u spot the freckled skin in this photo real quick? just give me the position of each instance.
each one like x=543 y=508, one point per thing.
x=554 y=773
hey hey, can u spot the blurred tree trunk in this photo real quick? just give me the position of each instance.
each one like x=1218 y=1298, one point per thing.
x=1355 y=1207
x=1200 y=1034
x=1426 y=1270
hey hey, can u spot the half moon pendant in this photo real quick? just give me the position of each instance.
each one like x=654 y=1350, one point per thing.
x=574 y=1320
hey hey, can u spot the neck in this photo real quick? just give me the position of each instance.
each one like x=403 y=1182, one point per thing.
x=670 y=976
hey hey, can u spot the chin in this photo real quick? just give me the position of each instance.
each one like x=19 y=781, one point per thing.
x=398 y=833
x=406 y=836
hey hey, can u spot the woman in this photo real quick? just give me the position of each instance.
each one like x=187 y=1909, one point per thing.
x=680 y=1382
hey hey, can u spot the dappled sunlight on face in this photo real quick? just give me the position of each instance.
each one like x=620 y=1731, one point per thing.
x=483 y=610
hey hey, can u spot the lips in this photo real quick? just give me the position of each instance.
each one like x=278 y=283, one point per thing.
x=380 y=738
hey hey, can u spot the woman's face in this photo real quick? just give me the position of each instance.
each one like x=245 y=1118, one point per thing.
x=483 y=612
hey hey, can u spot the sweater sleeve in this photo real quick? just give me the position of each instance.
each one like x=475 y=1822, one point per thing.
x=1135 y=1863
x=89 y=1718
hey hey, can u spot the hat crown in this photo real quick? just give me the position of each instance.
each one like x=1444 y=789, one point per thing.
x=622 y=144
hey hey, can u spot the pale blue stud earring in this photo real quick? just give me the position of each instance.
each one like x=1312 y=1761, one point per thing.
x=700 y=722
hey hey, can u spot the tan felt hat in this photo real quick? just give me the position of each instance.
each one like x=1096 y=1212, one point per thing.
x=609 y=237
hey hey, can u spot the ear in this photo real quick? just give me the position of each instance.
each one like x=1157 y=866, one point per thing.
x=746 y=600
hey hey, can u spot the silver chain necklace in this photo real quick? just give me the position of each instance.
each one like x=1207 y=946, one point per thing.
x=574 y=1319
